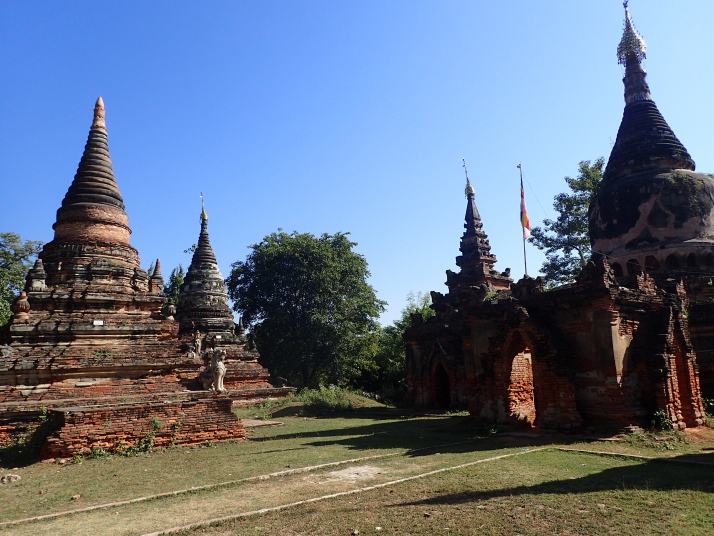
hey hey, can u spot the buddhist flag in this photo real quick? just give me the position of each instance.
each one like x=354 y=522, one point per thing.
x=525 y=222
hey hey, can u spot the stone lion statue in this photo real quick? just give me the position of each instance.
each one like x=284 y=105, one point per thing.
x=218 y=369
x=211 y=378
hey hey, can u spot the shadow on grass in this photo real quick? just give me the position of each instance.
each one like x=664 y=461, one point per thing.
x=670 y=474
x=414 y=434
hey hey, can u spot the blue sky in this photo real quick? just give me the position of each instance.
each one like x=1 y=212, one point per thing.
x=333 y=116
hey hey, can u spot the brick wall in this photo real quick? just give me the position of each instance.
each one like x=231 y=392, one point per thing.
x=80 y=429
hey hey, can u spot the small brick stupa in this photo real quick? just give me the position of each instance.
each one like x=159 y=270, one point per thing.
x=88 y=339
x=203 y=301
x=206 y=322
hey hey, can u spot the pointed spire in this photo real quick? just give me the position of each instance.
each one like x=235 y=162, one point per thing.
x=204 y=215
x=473 y=218
x=94 y=181
x=156 y=281
x=157 y=269
x=476 y=260
x=469 y=189
x=644 y=141
x=204 y=251
x=98 y=122
x=632 y=43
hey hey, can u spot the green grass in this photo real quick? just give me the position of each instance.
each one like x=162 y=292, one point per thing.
x=533 y=493
x=542 y=493
x=312 y=402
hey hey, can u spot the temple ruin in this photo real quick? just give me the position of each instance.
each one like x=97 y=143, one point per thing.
x=630 y=339
x=94 y=345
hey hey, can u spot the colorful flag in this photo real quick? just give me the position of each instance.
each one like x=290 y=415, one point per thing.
x=525 y=222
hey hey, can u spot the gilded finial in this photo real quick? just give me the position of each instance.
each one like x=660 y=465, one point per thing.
x=98 y=122
x=632 y=41
x=469 y=189
x=204 y=216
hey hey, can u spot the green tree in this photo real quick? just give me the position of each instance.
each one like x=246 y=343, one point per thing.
x=308 y=305
x=386 y=376
x=565 y=240
x=173 y=285
x=16 y=258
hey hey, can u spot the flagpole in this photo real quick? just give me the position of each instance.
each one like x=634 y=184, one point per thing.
x=525 y=260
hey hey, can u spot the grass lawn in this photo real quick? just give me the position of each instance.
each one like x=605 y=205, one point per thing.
x=401 y=475
x=542 y=493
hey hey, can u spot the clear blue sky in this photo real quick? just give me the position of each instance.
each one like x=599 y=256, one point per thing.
x=333 y=116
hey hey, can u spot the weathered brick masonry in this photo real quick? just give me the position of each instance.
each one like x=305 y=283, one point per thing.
x=630 y=338
x=80 y=429
x=93 y=330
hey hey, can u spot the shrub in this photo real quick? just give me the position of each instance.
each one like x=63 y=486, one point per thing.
x=332 y=398
x=660 y=421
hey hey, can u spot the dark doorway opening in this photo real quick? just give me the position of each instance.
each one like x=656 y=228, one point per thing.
x=442 y=388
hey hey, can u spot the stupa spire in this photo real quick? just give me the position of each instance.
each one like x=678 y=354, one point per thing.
x=203 y=298
x=644 y=141
x=473 y=218
x=94 y=181
x=204 y=215
x=476 y=260
x=98 y=122
x=204 y=252
x=474 y=242
x=92 y=224
x=632 y=42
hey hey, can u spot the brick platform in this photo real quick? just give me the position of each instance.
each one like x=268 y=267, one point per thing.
x=78 y=430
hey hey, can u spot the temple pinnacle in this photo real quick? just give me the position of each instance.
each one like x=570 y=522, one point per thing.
x=469 y=189
x=98 y=122
x=204 y=215
x=631 y=42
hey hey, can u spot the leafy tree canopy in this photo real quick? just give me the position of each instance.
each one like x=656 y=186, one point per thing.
x=386 y=374
x=16 y=258
x=310 y=310
x=173 y=285
x=565 y=240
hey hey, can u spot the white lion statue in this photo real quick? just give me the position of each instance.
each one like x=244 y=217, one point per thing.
x=218 y=370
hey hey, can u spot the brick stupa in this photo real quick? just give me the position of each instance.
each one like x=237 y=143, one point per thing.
x=88 y=339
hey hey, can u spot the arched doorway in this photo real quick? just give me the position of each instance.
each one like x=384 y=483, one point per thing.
x=633 y=267
x=692 y=261
x=672 y=262
x=651 y=263
x=521 y=391
x=442 y=387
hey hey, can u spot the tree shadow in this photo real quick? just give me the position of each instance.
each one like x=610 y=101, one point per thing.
x=455 y=433
x=687 y=472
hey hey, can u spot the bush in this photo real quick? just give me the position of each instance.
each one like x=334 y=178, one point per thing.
x=660 y=421
x=332 y=398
